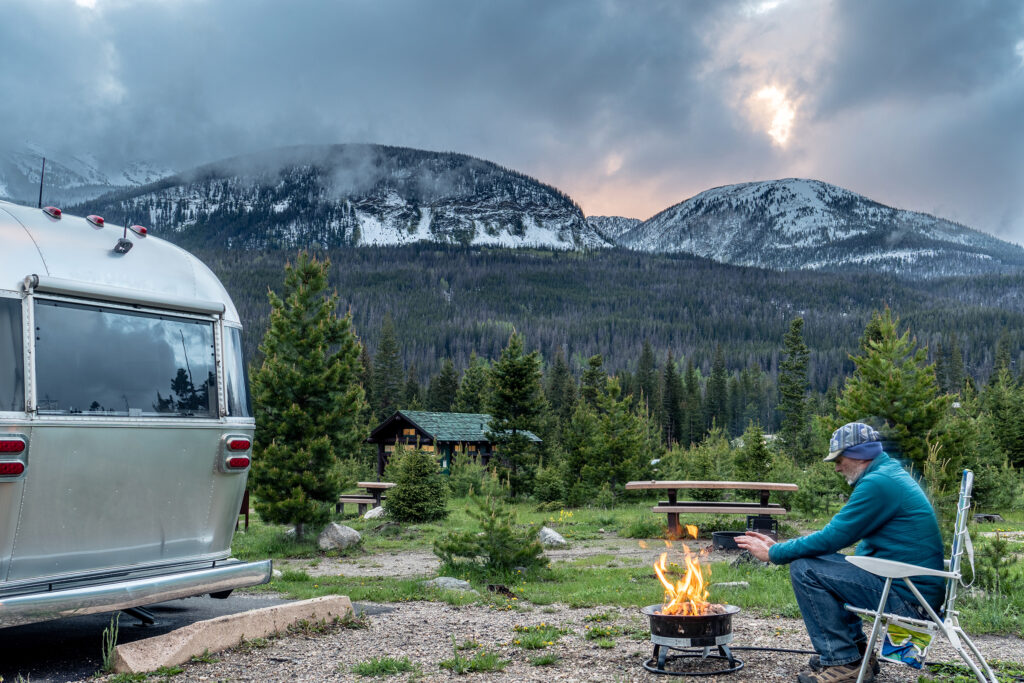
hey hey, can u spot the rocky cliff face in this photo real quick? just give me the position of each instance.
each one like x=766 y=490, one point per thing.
x=353 y=195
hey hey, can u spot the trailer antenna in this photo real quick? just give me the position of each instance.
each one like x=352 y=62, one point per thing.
x=42 y=174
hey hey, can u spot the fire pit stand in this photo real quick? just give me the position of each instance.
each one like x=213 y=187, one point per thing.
x=679 y=632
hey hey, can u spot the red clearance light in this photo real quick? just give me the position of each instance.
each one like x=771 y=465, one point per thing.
x=11 y=469
x=52 y=212
x=12 y=446
x=139 y=230
x=238 y=462
x=95 y=220
x=238 y=444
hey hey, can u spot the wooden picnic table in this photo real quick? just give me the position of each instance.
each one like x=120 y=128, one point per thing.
x=673 y=507
x=374 y=494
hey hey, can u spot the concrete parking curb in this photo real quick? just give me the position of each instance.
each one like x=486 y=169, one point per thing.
x=214 y=635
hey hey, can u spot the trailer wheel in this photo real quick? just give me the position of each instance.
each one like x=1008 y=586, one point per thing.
x=221 y=595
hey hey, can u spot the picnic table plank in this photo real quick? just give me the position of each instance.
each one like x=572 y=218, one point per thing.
x=748 y=485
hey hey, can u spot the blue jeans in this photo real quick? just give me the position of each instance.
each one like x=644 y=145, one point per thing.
x=822 y=586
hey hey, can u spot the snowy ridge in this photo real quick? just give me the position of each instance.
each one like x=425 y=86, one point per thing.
x=355 y=195
x=807 y=224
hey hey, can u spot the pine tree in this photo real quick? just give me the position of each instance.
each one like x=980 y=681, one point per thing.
x=941 y=373
x=594 y=379
x=366 y=382
x=308 y=399
x=387 y=373
x=473 y=394
x=517 y=405
x=693 y=411
x=671 y=402
x=753 y=461
x=716 y=404
x=893 y=388
x=443 y=388
x=1002 y=361
x=561 y=388
x=793 y=394
x=955 y=368
x=412 y=393
x=647 y=380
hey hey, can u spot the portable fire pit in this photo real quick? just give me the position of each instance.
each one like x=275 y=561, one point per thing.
x=682 y=631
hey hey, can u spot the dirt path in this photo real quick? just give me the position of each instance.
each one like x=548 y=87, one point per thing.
x=621 y=552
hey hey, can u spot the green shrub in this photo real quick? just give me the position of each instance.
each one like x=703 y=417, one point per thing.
x=497 y=548
x=605 y=499
x=644 y=527
x=468 y=478
x=420 y=493
x=547 y=485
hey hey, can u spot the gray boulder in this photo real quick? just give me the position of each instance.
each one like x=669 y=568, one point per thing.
x=550 y=538
x=338 y=537
x=374 y=513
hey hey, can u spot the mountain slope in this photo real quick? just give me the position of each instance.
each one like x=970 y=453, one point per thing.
x=67 y=180
x=807 y=224
x=343 y=195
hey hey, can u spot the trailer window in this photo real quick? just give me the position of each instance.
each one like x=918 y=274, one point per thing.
x=92 y=360
x=12 y=378
x=236 y=376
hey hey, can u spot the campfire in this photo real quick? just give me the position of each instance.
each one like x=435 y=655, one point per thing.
x=687 y=618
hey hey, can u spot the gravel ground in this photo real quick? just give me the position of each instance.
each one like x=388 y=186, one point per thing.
x=423 y=632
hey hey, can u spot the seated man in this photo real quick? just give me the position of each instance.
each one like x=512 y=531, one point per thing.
x=891 y=517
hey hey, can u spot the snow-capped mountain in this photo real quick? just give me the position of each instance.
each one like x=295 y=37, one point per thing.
x=796 y=224
x=352 y=195
x=68 y=179
x=612 y=227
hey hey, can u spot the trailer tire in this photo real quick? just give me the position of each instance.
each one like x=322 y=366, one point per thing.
x=221 y=595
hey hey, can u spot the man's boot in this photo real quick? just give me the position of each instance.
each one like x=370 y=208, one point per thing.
x=815 y=661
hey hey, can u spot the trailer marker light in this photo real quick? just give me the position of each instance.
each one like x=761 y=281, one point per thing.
x=95 y=220
x=139 y=230
x=238 y=462
x=238 y=444
x=52 y=212
x=12 y=446
x=11 y=469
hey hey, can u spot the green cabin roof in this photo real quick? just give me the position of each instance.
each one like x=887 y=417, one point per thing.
x=467 y=427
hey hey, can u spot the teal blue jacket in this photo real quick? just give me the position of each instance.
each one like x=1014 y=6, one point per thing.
x=891 y=517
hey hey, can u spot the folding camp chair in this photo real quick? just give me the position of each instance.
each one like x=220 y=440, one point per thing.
x=948 y=623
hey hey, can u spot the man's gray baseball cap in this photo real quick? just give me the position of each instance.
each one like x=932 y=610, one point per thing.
x=848 y=436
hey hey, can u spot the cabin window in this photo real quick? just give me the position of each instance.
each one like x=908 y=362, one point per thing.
x=12 y=376
x=94 y=360
x=236 y=374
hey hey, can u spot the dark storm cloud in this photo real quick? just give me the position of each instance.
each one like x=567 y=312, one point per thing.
x=628 y=106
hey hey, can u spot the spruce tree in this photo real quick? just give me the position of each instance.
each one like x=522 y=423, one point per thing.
x=412 y=395
x=893 y=387
x=594 y=379
x=561 y=388
x=473 y=394
x=647 y=380
x=793 y=388
x=517 y=405
x=955 y=368
x=366 y=381
x=309 y=402
x=753 y=461
x=671 y=402
x=443 y=388
x=717 y=399
x=387 y=372
x=693 y=411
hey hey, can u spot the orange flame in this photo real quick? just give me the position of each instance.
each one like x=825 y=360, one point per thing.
x=689 y=595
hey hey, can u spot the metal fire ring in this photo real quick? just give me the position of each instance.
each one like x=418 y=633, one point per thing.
x=691 y=642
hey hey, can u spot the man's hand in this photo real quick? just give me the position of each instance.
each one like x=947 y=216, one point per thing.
x=756 y=544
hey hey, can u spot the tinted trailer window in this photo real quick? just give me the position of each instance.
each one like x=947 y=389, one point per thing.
x=94 y=360
x=12 y=388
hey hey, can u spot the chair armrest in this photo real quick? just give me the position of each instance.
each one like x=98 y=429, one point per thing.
x=894 y=570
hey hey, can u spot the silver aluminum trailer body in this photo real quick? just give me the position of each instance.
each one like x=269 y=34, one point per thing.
x=125 y=428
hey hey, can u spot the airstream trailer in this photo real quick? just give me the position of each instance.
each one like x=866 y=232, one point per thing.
x=125 y=425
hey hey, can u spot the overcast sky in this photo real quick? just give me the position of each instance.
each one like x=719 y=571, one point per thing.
x=629 y=106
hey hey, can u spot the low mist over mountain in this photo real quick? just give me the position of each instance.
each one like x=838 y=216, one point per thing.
x=69 y=179
x=347 y=195
x=796 y=224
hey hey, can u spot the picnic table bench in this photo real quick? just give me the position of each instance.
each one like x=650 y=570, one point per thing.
x=375 y=494
x=672 y=507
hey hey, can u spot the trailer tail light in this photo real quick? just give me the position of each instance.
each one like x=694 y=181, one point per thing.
x=52 y=212
x=12 y=446
x=139 y=230
x=238 y=444
x=12 y=469
x=95 y=220
x=238 y=462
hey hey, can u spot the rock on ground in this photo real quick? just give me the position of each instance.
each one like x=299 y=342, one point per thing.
x=552 y=539
x=448 y=583
x=375 y=513
x=338 y=537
